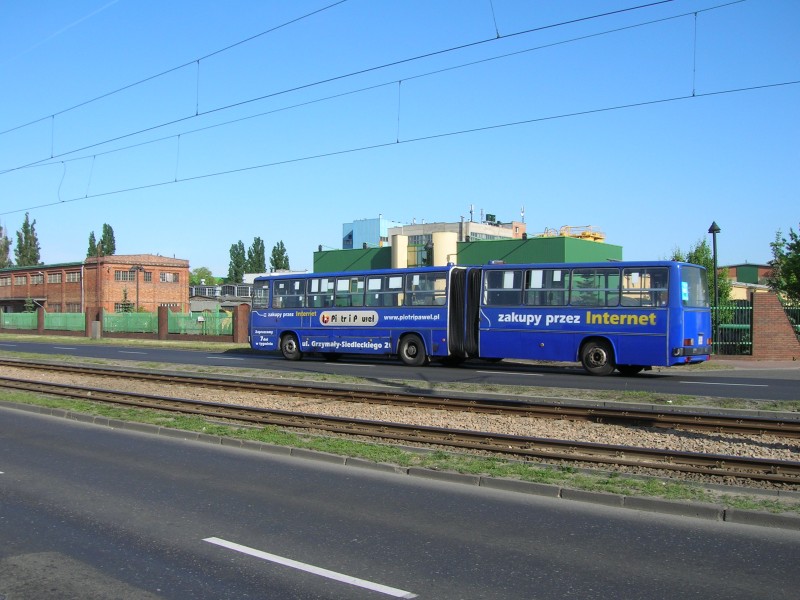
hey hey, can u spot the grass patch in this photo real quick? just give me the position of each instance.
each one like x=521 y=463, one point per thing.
x=564 y=476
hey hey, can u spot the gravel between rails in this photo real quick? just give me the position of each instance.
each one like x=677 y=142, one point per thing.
x=762 y=446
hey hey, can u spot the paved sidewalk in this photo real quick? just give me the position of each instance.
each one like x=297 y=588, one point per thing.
x=738 y=362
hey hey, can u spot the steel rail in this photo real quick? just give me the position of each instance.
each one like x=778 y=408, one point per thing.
x=655 y=418
x=769 y=470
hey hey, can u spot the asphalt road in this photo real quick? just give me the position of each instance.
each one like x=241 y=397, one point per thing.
x=90 y=512
x=755 y=383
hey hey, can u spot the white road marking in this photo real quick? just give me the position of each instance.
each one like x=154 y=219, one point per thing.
x=130 y=352
x=511 y=373
x=10 y=345
x=63 y=348
x=224 y=358
x=733 y=384
x=363 y=583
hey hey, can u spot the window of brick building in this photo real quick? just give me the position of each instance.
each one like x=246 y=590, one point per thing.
x=20 y=279
x=54 y=278
x=73 y=277
x=169 y=278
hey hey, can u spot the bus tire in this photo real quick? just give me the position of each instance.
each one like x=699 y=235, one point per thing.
x=629 y=370
x=412 y=351
x=597 y=357
x=290 y=348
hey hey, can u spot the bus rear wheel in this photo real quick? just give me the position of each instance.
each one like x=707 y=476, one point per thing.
x=290 y=348
x=412 y=351
x=597 y=357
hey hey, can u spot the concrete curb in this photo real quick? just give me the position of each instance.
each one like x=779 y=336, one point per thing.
x=695 y=510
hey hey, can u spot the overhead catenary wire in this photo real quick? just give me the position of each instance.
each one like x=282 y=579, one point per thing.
x=412 y=141
x=311 y=84
x=44 y=163
x=172 y=70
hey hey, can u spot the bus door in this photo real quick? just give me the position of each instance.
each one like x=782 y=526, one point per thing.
x=473 y=311
x=456 y=311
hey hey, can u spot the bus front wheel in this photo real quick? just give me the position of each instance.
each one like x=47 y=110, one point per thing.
x=412 y=351
x=290 y=348
x=597 y=357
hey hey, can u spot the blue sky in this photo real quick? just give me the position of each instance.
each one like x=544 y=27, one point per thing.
x=287 y=119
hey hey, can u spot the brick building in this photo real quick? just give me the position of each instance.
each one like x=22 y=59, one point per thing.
x=57 y=288
x=146 y=281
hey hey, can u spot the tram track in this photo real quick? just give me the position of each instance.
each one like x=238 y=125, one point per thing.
x=653 y=418
x=772 y=471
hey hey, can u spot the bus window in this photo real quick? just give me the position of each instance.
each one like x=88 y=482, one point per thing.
x=694 y=289
x=260 y=295
x=643 y=286
x=502 y=288
x=375 y=291
x=426 y=289
x=595 y=287
x=396 y=293
x=546 y=287
x=350 y=291
x=320 y=292
x=288 y=293
x=383 y=290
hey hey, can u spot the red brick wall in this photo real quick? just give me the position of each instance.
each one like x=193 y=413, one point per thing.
x=107 y=291
x=773 y=335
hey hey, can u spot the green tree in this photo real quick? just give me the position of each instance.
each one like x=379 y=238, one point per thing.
x=29 y=306
x=107 y=242
x=236 y=267
x=701 y=254
x=257 y=257
x=5 y=249
x=27 y=251
x=202 y=276
x=126 y=306
x=92 y=250
x=279 y=261
x=106 y=246
x=785 y=276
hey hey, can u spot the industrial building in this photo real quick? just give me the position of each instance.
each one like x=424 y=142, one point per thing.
x=113 y=283
x=470 y=243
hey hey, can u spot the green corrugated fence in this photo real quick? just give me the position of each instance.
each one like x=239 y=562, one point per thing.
x=130 y=322
x=204 y=323
x=19 y=320
x=65 y=321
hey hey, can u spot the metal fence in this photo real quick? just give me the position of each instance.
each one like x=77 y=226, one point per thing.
x=734 y=328
x=205 y=323
x=792 y=310
x=19 y=320
x=65 y=321
x=133 y=322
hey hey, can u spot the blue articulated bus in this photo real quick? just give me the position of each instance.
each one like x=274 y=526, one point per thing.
x=624 y=316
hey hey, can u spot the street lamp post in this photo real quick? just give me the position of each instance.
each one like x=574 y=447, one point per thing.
x=714 y=230
x=135 y=270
